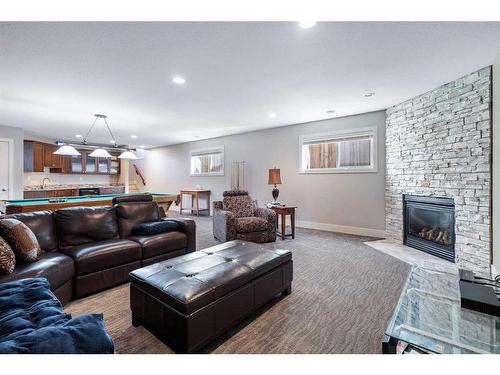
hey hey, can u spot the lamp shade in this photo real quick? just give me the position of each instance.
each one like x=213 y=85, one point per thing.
x=274 y=176
x=100 y=153
x=128 y=155
x=67 y=151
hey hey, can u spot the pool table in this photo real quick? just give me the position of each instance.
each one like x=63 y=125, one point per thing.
x=29 y=205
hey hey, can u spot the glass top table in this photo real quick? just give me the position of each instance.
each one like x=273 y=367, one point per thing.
x=428 y=316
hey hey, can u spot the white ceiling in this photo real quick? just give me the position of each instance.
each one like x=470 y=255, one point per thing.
x=55 y=76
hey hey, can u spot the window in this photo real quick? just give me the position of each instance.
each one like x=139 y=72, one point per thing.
x=208 y=162
x=339 y=152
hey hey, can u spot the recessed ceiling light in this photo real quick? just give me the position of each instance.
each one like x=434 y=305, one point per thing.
x=330 y=111
x=142 y=146
x=178 y=80
x=272 y=115
x=133 y=136
x=307 y=24
x=369 y=94
x=112 y=141
x=78 y=136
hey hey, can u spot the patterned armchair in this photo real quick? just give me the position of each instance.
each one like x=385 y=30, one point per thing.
x=237 y=217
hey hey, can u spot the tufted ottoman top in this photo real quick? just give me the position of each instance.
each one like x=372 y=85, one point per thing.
x=191 y=281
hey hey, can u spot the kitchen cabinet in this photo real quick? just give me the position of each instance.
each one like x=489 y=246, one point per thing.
x=112 y=190
x=35 y=194
x=33 y=156
x=103 y=165
x=114 y=164
x=56 y=163
x=90 y=163
x=76 y=164
x=32 y=194
x=39 y=155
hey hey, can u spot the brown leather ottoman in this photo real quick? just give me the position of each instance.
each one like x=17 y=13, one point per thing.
x=189 y=300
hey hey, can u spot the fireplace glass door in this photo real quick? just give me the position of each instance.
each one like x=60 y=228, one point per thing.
x=430 y=225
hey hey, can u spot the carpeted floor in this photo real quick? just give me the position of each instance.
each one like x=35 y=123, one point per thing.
x=344 y=293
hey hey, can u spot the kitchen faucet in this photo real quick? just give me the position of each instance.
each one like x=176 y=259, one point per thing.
x=43 y=182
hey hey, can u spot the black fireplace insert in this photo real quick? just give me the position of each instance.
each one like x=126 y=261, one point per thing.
x=429 y=225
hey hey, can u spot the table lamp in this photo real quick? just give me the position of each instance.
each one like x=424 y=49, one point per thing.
x=274 y=179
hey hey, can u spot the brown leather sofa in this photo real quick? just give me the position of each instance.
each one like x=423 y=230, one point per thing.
x=88 y=249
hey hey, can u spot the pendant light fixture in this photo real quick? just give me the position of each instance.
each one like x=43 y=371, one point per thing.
x=127 y=155
x=67 y=150
x=99 y=152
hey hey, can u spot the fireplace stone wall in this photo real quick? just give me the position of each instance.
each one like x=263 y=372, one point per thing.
x=439 y=144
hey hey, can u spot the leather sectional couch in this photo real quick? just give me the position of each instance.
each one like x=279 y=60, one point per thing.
x=88 y=249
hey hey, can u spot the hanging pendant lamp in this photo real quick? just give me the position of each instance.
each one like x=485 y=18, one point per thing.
x=67 y=150
x=127 y=155
x=99 y=152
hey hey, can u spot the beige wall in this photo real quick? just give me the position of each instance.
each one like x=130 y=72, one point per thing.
x=352 y=203
x=496 y=164
x=17 y=135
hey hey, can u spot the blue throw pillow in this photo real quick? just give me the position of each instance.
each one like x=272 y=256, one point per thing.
x=84 y=334
x=155 y=227
x=32 y=320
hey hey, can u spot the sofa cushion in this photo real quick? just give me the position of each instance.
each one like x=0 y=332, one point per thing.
x=132 y=213
x=57 y=268
x=33 y=321
x=82 y=225
x=160 y=243
x=7 y=258
x=155 y=227
x=21 y=239
x=102 y=255
x=239 y=205
x=251 y=224
x=43 y=226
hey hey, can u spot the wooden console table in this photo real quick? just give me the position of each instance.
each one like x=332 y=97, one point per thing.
x=282 y=211
x=195 y=195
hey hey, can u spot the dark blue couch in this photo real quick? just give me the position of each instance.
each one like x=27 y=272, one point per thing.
x=32 y=320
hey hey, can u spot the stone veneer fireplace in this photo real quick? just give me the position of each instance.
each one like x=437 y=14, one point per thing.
x=438 y=144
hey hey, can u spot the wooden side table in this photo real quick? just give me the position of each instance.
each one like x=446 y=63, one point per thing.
x=283 y=211
x=195 y=197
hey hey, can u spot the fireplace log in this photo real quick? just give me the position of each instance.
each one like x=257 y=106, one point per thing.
x=439 y=238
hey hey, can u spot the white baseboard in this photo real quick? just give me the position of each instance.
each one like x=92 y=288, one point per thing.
x=341 y=228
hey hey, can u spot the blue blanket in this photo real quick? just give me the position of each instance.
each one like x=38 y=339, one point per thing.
x=32 y=320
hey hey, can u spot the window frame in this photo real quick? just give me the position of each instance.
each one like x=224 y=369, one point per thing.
x=204 y=151
x=342 y=134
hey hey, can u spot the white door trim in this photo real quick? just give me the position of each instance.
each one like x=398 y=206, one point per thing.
x=10 y=141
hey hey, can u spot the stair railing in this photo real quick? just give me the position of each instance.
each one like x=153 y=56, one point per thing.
x=138 y=172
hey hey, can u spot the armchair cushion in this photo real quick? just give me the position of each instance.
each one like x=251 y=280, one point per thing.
x=268 y=214
x=240 y=205
x=251 y=224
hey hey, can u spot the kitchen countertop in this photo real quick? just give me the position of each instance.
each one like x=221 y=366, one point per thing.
x=50 y=187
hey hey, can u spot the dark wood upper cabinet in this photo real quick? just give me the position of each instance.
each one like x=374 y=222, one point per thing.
x=76 y=164
x=33 y=156
x=39 y=155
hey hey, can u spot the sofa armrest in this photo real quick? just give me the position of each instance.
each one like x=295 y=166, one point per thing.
x=267 y=214
x=188 y=227
x=224 y=224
